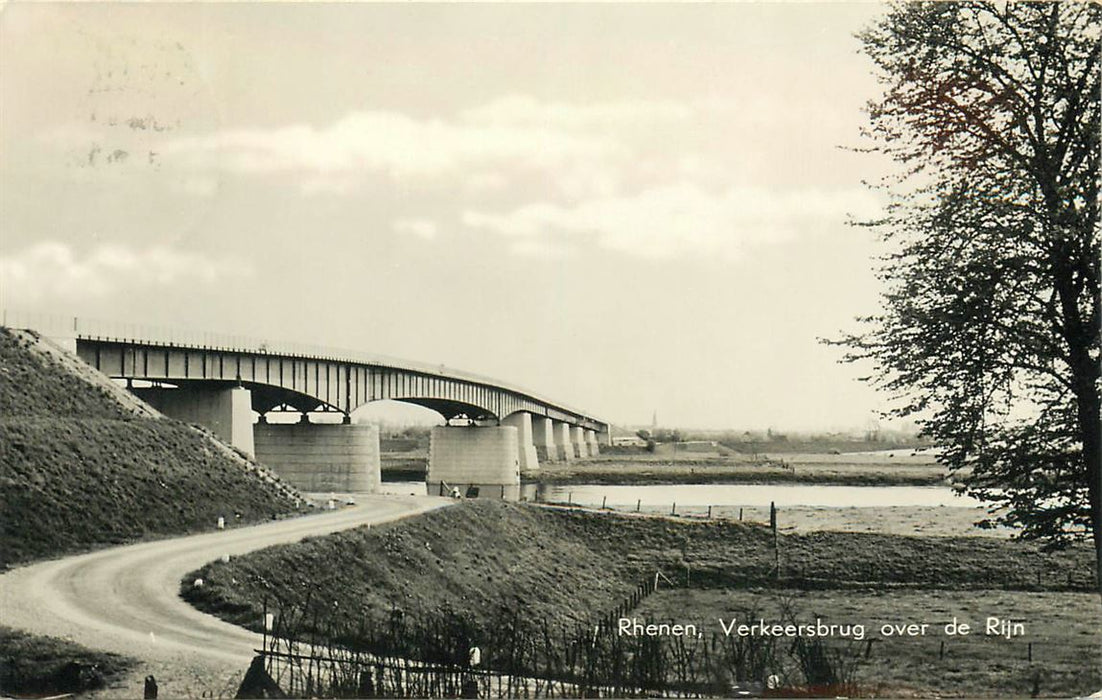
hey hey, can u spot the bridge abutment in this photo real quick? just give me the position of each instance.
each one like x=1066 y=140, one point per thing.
x=341 y=458
x=225 y=411
x=483 y=456
x=526 y=448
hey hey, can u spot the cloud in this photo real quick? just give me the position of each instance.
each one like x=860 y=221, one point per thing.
x=573 y=147
x=523 y=110
x=649 y=178
x=52 y=270
x=419 y=228
x=677 y=220
x=391 y=143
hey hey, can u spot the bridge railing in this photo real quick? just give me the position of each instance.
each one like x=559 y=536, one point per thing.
x=61 y=326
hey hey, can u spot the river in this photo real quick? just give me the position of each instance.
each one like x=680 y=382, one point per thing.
x=703 y=495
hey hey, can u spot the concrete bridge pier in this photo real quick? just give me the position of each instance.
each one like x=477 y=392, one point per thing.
x=592 y=443
x=577 y=439
x=321 y=457
x=486 y=457
x=564 y=447
x=526 y=448
x=543 y=437
x=224 y=410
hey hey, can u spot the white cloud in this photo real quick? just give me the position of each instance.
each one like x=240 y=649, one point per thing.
x=420 y=228
x=52 y=270
x=392 y=143
x=679 y=220
x=523 y=110
x=648 y=178
x=578 y=149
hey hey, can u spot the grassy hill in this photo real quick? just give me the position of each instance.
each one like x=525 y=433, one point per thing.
x=85 y=464
x=485 y=554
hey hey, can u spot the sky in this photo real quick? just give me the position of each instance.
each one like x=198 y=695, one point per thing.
x=630 y=208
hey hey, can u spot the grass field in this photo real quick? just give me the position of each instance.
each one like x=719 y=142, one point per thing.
x=887 y=520
x=1058 y=651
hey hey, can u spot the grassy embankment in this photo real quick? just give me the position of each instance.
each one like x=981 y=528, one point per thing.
x=83 y=465
x=570 y=565
x=44 y=666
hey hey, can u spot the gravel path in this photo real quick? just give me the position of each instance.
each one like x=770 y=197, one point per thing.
x=125 y=599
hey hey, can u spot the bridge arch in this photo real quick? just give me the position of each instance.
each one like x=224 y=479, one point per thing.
x=450 y=409
x=328 y=381
x=228 y=383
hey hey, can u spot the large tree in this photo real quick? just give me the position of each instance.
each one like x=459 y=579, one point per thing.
x=989 y=329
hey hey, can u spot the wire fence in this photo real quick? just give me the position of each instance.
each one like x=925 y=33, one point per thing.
x=310 y=651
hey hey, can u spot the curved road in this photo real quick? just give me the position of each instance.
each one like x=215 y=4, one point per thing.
x=126 y=599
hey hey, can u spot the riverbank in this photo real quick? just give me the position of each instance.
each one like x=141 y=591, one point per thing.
x=825 y=469
x=796 y=463
x=864 y=469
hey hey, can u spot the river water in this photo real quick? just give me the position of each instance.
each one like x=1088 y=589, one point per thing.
x=895 y=510
x=703 y=495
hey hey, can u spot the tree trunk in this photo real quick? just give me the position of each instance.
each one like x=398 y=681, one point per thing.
x=1090 y=423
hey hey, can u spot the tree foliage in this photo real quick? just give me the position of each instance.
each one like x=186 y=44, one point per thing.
x=989 y=329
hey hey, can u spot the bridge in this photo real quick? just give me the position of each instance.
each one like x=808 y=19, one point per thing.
x=231 y=384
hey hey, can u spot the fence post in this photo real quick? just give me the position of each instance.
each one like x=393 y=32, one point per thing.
x=264 y=643
x=673 y=510
x=776 y=542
